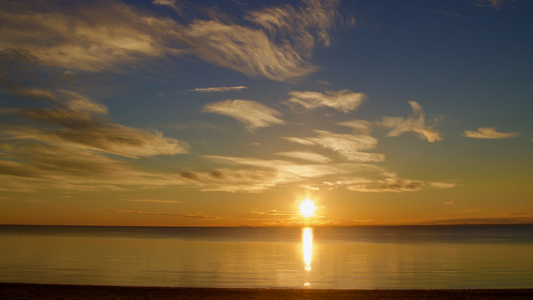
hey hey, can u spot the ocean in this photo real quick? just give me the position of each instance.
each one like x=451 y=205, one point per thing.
x=384 y=257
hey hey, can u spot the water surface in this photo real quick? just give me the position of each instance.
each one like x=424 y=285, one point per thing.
x=403 y=257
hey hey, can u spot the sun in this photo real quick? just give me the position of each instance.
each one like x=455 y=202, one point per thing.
x=307 y=208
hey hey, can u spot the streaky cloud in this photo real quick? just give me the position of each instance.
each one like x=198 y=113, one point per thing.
x=163 y=214
x=254 y=175
x=170 y=3
x=93 y=36
x=359 y=126
x=252 y=114
x=395 y=184
x=489 y=133
x=75 y=121
x=278 y=49
x=218 y=89
x=344 y=142
x=349 y=146
x=299 y=141
x=88 y=36
x=344 y=100
x=305 y=155
x=304 y=26
x=32 y=93
x=42 y=166
x=246 y=50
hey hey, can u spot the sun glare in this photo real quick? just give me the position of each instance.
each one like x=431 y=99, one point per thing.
x=307 y=208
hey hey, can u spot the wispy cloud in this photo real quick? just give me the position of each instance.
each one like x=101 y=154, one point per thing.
x=252 y=114
x=64 y=140
x=163 y=214
x=359 y=126
x=218 y=89
x=42 y=166
x=489 y=133
x=42 y=161
x=111 y=36
x=305 y=155
x=278 y=50
x=76 y=121
x=246 y=50
x=344 y=100
x=86 y=36
x=170 y=3
x=257 y=175
x=415 y=123
x=349 y=146
x=305 y=25
x=450 y=202
x=395 y=184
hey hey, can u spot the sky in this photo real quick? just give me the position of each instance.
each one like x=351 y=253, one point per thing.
x=232 y=113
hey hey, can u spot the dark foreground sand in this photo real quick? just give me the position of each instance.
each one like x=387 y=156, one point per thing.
x=13 y=291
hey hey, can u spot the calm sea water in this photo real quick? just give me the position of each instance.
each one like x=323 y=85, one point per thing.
x=405 y=257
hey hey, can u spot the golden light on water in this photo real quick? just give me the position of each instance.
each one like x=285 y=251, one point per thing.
x=307 y=208
x=307 y=239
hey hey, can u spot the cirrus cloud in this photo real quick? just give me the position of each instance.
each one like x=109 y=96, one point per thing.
x=344 y=100
x=218 y=89
x=359 y=126
x=75 y=121
x=395 y=184
x=305 y=155
x=349 y=146
x=415 y=123
x=90 y=36
x=489 y=133
x=252 y=114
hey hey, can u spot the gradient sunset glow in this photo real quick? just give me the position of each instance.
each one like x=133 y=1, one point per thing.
x=225 y=113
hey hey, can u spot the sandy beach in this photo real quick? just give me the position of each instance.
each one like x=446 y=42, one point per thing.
x=15 y=291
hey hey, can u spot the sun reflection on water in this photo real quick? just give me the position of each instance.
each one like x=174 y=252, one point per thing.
x=307 y=239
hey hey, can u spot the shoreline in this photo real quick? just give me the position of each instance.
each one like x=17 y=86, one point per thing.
x=15 y=291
